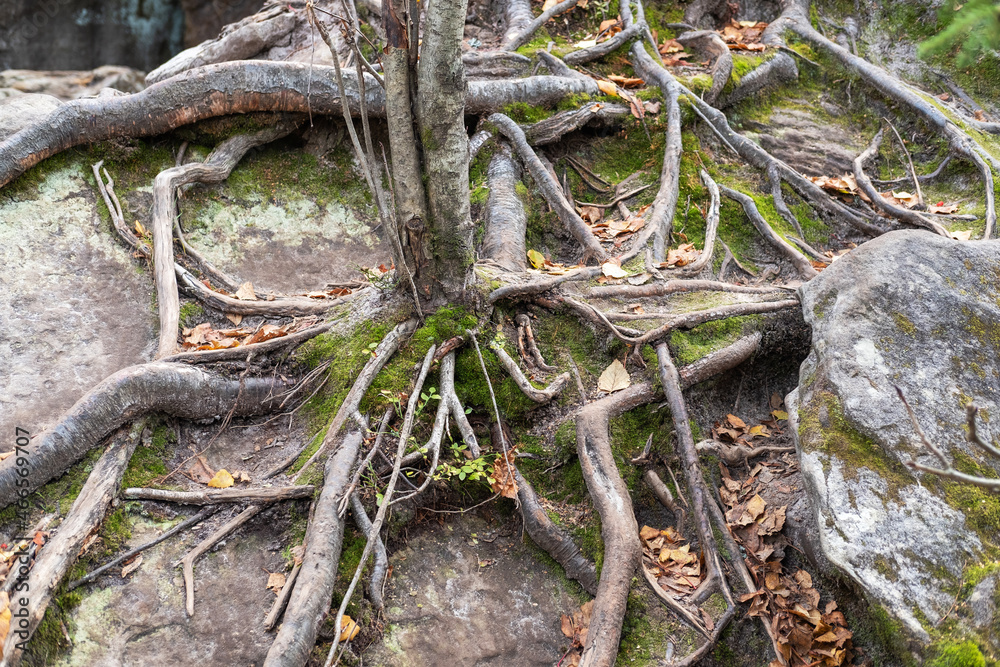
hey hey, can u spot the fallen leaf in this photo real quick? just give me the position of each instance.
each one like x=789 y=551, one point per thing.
x=627 y=81
x=349 y=629
x=235 y=318
x=682 y=255
x=670 y=46
x=961 y=234
x=652 y=107
x=756 y=506
x=276 y=581
x=614 y=378
x=536 y=258
x=780 y=415
x=612 y=270
x=4 y=617
x=132 y=567
x=648 y=533
x=979 y=115
x=200 y=471
x=585 y=43
x=265 y=332
x=241 y=476
x=803 y=578
x=639 y=279
x=944 y=97
x=608 y=24
x=245 y=292
x=142 y=231
x=591 y=214
x=502 y=480
x=941 y=209
x=549 y=4
x=608 y=88
x=221 y=480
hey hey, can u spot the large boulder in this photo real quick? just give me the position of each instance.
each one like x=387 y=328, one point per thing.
x=921 y=312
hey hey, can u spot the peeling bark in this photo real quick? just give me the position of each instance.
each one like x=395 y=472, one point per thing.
x=506 y=220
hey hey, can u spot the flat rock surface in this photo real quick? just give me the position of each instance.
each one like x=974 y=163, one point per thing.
x=466 y=592
x=920 y=312
x=74 y=306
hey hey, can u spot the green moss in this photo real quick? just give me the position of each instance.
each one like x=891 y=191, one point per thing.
x=59 y=494
x=522 y=112
x=823 y=427
x=957 y=654
x=192 y=314
x=980 y=507
x=642 y=640
x=689 y=346
x=904 y=324
x=629 y=434
x=149 y=462
x=115 y=531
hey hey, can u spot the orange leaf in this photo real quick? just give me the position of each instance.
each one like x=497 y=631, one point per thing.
x=608 y=88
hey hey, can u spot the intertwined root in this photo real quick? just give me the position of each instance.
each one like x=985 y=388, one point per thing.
x=179 y=383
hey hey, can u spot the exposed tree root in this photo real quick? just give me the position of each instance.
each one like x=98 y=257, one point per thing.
x=183 y=391
x=582 y=56
x=774 y=72
x=349 y=408
x=711 y=230
x=801 y=263
x=898 y=212
x=519 y=39
x=381 y=566
x=540 y=396
x=313 y=589
x=373 y=533
x=187 y=563
x=663 y=495
x=235 y=88
x=555 y=127
x=673 y=287
x=219 y=496
x=733 y=455
x=527 y=346
x=281 y=601
x=710 y=43
x=181 y=527
x=959 y=141
x=551 y=538
x=700 y=497
x=62 y=550
x=517 y=17
x=550 y=188
x=506 y=221
x=215 y=169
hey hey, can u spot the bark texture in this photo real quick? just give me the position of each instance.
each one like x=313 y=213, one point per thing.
x=506 y=220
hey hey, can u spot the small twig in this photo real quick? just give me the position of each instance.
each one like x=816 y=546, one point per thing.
x=617 y=199
x=282 y=600
x=909 y=159
x=579 y=380
x=188 y=561
x=184 y=525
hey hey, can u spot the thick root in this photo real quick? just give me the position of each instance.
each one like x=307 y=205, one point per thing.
x=174 y=389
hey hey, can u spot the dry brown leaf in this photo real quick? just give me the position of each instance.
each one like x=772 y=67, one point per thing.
x=265 y=332
x=502 y=480
x=132 y=566
x=736 y=422
x=200 y=471
x=647 y=533
x=756 y=506
x=276 y=581
x=245 y=292
x=608 y=24
x=614 y=378
x=591 y=214
x=627 y=81
x=612 y=270
x=235 y=318
x=242 y=476
x=221 y=480
x=803 y=579
x=4 y=618
x=682 y=255
x=979 y=115
x=961 y=234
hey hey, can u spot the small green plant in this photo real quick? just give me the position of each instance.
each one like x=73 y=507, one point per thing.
x=463 y=467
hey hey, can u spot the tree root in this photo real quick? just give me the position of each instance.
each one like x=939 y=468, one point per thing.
x=235 y=88
x=555 y=127
x=381 y=567
x=215 y=169
x=218 y=496
x=663 y=495
x=709 y=42
x=590 y=53
x=959 y=141
x=187 y=563
x=541 y=396
x=733 y=455
x=527 y=346
x=673 y=287
x=517 y=17
x=184 y=525
x=63 y=548
x=313 y=589
x=349 y=408
x=711 y=230
x=373 y=533
x=897 y=212
x=506 y=221
x=551 y=538
x=519 y=39
x=183 y=391
x=700 y=497
x=776 y=71
x=281 y=601
x=797 y=259
x=550 y=188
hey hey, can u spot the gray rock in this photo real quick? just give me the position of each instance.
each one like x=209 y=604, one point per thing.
x=467 y=594
x=72 y=84
x=917 y=311
x=807 y=142
x=20 y=110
